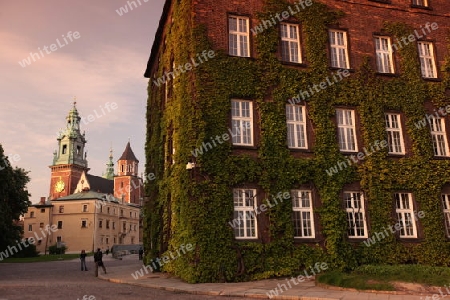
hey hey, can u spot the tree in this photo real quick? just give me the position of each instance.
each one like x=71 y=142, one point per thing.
x=14 y=200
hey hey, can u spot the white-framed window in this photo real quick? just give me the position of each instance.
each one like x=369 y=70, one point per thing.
x=290 y=43
x=427 y=61
x=439 y=136
x=394 y=133
x=356 y=215
x=85 y=208
x=420 y=2
x=383 y=49
x=83 y=223
x=60 y=224
x=302 y=214
x=346 y=129
x=339 y=49
x=405 y=215
x=296 y=126
x=30 y=227
x=238 y=36
x=242 y=122
x=446 y=210
x=244 y=212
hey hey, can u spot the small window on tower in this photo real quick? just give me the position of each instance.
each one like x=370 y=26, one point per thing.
x=78 y=150
x=123 y=169
x=64 y=149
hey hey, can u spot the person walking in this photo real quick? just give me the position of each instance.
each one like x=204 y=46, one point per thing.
x=83 y=260
x=107 y=251
x=98 y=256
x=141 y=253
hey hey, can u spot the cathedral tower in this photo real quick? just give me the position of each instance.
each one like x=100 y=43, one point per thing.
x=127 y=183
x=69 y=161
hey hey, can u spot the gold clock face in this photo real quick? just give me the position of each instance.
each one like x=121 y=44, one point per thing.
x=59 y=186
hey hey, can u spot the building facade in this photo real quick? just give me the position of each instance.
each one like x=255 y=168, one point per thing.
x=84 y=221
x=81 y=206
x=285 y=133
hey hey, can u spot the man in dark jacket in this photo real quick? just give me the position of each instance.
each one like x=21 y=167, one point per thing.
x=98 y=256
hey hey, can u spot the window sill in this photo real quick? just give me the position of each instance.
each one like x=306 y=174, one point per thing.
x=381 y=1
x=236 y=147
x=421 y=7
x=387 y=74
x=306 y=240
x=246 y=239
x=410 y=239
x=337 y=68
x=441 y=157
x=301 y=150
x=432 y=79
x=294 y=64
x=397 y=155
x=237 y=56
x=345 y=152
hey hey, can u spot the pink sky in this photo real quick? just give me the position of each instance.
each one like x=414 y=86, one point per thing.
x=105 y=64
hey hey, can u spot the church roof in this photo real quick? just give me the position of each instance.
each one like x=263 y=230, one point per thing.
x=100 y=184
x=89 y=195
x=128 y=154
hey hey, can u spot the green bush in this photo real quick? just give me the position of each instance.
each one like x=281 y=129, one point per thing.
x=29 y=251
x=53 y=249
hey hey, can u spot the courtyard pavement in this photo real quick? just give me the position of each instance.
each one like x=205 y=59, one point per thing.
x=255 y=289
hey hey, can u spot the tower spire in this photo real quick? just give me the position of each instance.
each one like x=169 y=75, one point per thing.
x=110 y=166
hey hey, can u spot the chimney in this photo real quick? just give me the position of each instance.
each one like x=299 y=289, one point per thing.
x=42 y=202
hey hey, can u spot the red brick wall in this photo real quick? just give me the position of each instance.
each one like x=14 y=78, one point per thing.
x=362 y=18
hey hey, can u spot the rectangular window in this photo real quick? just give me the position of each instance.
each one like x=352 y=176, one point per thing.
x=41 y=225
x=107 y=210
x=244 y=212
x=100 y=224
x=290 y=43
x=113 y=225
x=42 y=210
x=107 y=240
x=420 y=2
x=405 y=215
x=107 y=224
x=242 y=122
x=83 y=223
x=346 y=129
x=427 y=62
x=238 y=41
x=30 y=227
x=303 y=214
x=446 y=209
x=58 y=239
x=394 y=133
x=384 y=55
x=61 y=209
x=296 y=126
x=85 y=208
x=438 y=135
x=354 y=207
x=60 y=224
x=339 y=49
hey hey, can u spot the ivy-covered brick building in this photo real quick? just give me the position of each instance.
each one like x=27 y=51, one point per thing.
x=286 y=133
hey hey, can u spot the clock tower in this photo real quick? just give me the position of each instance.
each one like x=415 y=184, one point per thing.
x=69 y=161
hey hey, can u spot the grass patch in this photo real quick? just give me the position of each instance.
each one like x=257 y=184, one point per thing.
x=41 y=258
x=379 y=277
